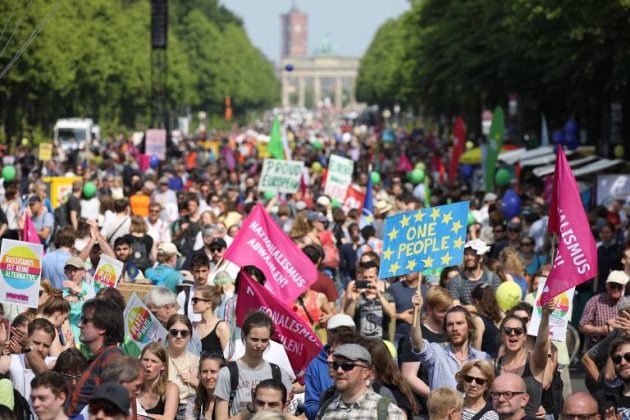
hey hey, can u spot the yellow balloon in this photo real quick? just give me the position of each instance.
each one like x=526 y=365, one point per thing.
x=508 y=294
x=469 y=145
x=619 y=151
x=420 y=165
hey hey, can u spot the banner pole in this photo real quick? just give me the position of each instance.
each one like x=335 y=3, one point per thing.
x=416 y=308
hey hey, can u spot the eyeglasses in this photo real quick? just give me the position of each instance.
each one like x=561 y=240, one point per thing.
x=516 y=330
x=214 y=249
x=617 y=358
x=495 y=395
x=480 y=381
x=183 y=333
x=196 y=299
x=71 y=377
x=527 y=243
x=154 y=211
x=84 y=320
x=345 y=366
x=569 y=416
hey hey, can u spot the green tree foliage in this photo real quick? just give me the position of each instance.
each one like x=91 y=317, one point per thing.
x=458 y=56
x=93 y=59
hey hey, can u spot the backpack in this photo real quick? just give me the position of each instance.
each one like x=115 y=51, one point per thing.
x=233 y=368
x=21 y=408
x=140 y=254
x=382 y=407
x=331 y=252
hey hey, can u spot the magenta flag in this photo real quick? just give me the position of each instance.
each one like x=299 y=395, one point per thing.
x=576 y=257
x=29 y=233
x=403 y=164
x=298 y=339
x=262 y=243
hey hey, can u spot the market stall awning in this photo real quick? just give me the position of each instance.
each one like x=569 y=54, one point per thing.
x=519 y=155
x=597 y=166
x=550 y=169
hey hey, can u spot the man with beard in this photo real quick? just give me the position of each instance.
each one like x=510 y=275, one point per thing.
x=617 y=400
x=443 y=362
x=352 y=373
x=122 y=250
x=474 y=273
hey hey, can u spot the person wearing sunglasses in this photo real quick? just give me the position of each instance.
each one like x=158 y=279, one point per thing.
x=509 y=397
x=475 y=381
x=212 y=330
x=353 y=376
x=518 y=359
x=182 y=364
x=616 y=399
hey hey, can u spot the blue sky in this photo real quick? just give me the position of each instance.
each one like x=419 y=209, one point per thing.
x=349 y=24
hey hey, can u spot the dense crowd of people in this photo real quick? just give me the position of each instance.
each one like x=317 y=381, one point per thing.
x=170 y=224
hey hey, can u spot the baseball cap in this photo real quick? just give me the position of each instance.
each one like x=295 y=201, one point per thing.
x=340 y=320
x=163 y=180
x=75 y=262
x=115 y=394
x=477 y=245
x=168 y=248
x=34 y=199
x=617 y=276
x=490 y=197
x=354 y=353
x=323 y=200
x=300 y=205
x=218 y=243
x=315 y=216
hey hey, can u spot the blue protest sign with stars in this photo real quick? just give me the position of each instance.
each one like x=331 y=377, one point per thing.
x=424 y=239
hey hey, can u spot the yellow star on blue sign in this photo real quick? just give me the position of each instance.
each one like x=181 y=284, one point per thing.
x=456 y=226
x=447 y=217
x=404 y=222
x=393 y=234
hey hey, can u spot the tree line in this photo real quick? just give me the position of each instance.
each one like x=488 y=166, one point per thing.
x=93 y=59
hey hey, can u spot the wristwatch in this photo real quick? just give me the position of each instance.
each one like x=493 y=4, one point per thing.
x=27 y=349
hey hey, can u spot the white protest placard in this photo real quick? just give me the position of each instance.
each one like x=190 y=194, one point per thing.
x=612 y=186
x=20 y=272
x=108 y=272
x=280 y=176
x=155 y=143
x=141 y=326
x=559 y=318
x=339 y=177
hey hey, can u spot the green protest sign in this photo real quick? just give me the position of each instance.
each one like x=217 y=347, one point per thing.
x=339 y=177
x=280 y=176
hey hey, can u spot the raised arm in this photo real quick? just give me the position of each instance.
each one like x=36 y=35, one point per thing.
x=541 y=346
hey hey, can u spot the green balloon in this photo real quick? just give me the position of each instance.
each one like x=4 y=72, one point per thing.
x=420 y=165
x=8 y=173
x=89 y=189
x=335 y=203
x=471 y=219
x=317 y=145
x=269 y=195
x=376 y=177
x=416 y=176
x=503 y=177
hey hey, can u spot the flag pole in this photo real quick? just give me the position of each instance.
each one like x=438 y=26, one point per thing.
x=416 y=308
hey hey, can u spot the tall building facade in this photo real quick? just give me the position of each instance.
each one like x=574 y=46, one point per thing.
x=294 y=33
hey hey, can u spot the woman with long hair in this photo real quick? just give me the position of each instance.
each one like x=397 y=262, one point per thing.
x=388 y=380
x=488 y=317
x=518 y=360
x=202 y=407
x=514 y=269
x=11 y=207
x=56 y=310
x=212 y=330
x=159 y=397
x=256 y=334
x=71 y=363
x=475 y=380
x=182 y=365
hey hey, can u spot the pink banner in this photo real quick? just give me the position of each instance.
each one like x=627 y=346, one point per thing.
x=576 y=257
x=262 y=243
x=29 y=234
x=297 y=338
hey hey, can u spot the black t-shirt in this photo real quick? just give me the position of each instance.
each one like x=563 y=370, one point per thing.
x=73 y=204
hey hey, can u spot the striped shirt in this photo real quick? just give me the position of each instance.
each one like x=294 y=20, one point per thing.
x=91 y=379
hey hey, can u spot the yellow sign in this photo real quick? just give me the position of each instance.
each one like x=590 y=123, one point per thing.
x=60 y=187
x=45 y=151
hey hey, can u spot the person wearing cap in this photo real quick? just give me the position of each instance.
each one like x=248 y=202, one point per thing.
x=473 y=274
x=110 y=401
x=43 y=221
x=382 y=208
x=165 y=274
x=76 y=290
x=601 y=310
x=163 y=194
x=352 y=374
x=483 y=215
x=316 y=378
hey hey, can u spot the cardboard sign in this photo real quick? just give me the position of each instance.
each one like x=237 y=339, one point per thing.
x=108 y=272
x=20 y=272
x=424 y=239
x=354 y=200
x=559 y=318
x=141 y=327
x=155 y=143
x=339 y=177
x=280 y=176
x=58 y=188
x=45 y=151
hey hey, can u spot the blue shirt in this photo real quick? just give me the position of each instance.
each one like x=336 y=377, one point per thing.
x=163 y=275
x=52 y=267
x=442 y=364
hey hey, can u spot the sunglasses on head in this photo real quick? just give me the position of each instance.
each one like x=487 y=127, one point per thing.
x=175 y=332
x=480 y=381
x=71 y=377
x=516 y=330
x=345 y=366
x=617 y=358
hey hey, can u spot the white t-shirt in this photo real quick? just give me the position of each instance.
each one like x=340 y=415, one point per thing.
x=274 y=354
x=21 y=376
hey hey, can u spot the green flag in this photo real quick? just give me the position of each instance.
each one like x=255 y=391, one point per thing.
x=275 y=147
x=495 y=141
